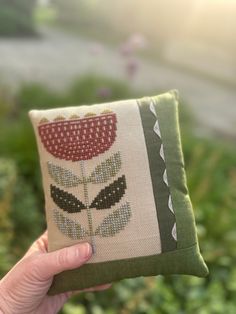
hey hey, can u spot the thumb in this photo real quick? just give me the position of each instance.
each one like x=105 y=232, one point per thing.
x=50 y=264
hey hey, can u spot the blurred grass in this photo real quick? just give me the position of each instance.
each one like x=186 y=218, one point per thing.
x=211 y=175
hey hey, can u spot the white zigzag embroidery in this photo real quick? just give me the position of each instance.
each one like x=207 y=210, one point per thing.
x=174 y=233
x=157 y=130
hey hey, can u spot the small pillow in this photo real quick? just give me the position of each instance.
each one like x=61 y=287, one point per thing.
x=113 y=175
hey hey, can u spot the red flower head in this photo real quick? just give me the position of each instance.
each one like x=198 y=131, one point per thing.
x=79 y=138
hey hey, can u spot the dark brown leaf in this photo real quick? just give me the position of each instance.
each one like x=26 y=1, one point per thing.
x=66 y=201
x=110 y=195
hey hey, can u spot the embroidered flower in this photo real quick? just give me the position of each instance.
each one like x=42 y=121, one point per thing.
x=79 y=139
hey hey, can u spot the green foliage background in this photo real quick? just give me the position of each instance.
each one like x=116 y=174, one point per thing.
x=16 y=17
x=211 y=175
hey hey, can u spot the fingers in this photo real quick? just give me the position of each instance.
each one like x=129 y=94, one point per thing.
x=49 y=264
x=39 y=246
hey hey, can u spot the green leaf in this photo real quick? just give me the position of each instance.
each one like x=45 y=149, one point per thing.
x=66 y=201
x=63 y=176
x=110 y=195
x=115 y=222
x=106 y=170
x=69 y=227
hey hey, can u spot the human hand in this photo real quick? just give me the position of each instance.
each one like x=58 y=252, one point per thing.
x=24 y=289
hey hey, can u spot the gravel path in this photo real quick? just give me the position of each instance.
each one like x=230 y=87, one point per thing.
x=56 y=59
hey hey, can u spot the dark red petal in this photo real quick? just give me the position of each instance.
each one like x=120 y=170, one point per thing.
x=80 y=139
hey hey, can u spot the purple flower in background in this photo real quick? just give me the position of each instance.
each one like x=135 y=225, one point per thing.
x=131 y=67
x=104 y=92
x=138 y=41
x=129 y=50
x=134 y=43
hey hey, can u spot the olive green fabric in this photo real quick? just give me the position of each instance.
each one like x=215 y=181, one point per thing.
x=182 y=257
x=157 y=166
x=186 y=261
x=167 y=110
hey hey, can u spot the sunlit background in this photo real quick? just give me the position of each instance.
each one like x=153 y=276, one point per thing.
x=58 y=53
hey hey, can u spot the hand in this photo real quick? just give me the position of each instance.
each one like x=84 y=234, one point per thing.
x=24 y=289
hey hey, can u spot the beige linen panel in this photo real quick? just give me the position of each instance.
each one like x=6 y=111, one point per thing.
x=140 y=236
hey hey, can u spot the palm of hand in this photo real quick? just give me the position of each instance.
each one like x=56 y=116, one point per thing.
x=24 y=289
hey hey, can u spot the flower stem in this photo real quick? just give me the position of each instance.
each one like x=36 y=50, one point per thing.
x=89 y=212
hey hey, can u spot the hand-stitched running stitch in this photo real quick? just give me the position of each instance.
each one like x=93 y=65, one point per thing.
x=77 y=140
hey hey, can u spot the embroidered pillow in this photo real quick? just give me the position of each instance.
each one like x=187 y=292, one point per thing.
x=113 y=175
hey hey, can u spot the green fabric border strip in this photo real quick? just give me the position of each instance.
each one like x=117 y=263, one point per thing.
x=166 y=106
x=186 y=261
x=166 y=218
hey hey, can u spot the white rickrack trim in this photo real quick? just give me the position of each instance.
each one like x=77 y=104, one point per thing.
x=174 y=233
x=162 y=152
x=170 y=204
x=165 y=178
x=157 y=130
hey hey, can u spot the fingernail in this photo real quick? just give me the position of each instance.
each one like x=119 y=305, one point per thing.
x=85 y=250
